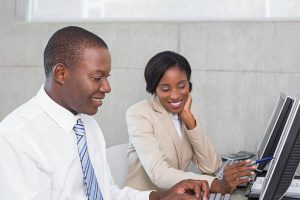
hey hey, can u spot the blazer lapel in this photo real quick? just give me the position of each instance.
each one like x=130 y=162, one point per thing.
x=166 y=119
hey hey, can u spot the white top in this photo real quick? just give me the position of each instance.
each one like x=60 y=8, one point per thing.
x=39 y=155
x=177 y=123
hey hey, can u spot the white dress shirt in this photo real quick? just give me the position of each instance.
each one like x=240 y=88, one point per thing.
x=39 y=155
x=177 y=123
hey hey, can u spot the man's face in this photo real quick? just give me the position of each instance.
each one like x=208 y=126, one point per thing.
x=86 y=84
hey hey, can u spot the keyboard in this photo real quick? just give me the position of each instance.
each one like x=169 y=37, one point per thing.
x=219 y=196
x=292 y=192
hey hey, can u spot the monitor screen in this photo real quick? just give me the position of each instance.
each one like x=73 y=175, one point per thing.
x=274 y=128
x=286 y=158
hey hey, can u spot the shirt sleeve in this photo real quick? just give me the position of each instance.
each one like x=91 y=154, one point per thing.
x=128 y=193
x=22 y=177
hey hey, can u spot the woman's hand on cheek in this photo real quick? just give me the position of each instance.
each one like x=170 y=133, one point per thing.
x=186 y=115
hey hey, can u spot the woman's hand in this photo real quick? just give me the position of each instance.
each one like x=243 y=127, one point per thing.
x=186 y=115
x=233 y=176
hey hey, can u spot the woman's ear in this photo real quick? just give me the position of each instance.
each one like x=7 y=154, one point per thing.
x=59 y=73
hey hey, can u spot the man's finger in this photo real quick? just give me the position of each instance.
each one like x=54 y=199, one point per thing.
x=197 y=189
x=205 y=190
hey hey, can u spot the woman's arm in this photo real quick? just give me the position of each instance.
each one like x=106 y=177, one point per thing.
x=205 y=158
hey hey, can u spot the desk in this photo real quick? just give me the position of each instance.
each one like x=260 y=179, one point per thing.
x=239 y=194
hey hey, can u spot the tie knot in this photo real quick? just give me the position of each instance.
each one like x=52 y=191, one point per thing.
x=79 y=128
x=79 y=122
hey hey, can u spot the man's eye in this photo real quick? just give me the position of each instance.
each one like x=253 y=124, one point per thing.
x=97 y=78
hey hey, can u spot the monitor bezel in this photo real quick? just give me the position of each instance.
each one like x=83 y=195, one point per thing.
x=274 y=128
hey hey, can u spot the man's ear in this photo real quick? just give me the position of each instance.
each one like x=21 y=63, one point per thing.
x=59 y=73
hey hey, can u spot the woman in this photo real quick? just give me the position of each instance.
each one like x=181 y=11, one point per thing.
x=164 y=135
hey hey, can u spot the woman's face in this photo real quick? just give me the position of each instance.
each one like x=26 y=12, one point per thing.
x=173 y=89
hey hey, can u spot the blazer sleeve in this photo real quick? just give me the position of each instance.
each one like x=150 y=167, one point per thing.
x=153 y=160
x=205 y=156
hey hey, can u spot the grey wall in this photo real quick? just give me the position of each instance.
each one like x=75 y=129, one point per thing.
x=239 y=69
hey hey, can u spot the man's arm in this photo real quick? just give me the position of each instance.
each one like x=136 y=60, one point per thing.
x=21 y=177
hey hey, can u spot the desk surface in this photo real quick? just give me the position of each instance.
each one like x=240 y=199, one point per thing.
x=239 y=194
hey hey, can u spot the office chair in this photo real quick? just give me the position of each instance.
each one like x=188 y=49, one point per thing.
x=118 y=162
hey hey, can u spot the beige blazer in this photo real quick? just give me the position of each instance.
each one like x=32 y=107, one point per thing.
x=157 y=156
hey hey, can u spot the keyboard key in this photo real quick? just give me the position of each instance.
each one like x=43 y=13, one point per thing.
x=227 y=197
x=212 y=196
x=219 y=196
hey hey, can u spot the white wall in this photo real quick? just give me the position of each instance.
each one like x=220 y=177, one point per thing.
x=239 y=69
x=58 y=10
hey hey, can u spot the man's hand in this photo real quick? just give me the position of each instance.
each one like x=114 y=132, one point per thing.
x=193 y=187
x=186 y=189
x=233 y=176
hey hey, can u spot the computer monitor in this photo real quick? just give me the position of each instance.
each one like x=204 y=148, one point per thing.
x=274 y=128
x=287 y=157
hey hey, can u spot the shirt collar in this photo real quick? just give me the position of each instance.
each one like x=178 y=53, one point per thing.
x=64 y=118
x=174 y=116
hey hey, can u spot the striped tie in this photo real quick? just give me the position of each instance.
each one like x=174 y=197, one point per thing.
x=91 y=185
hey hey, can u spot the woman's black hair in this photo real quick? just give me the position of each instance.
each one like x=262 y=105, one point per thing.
x=160 y=63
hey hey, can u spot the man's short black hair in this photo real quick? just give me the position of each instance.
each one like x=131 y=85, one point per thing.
x=160 y=63
x=67 y=45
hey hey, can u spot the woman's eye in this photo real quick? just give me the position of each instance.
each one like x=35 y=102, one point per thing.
x=181 y=85
x=164 y=89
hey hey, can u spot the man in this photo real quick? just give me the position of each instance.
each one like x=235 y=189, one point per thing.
x=51 y=147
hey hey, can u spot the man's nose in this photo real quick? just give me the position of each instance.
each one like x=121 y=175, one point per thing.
x=105 y=86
